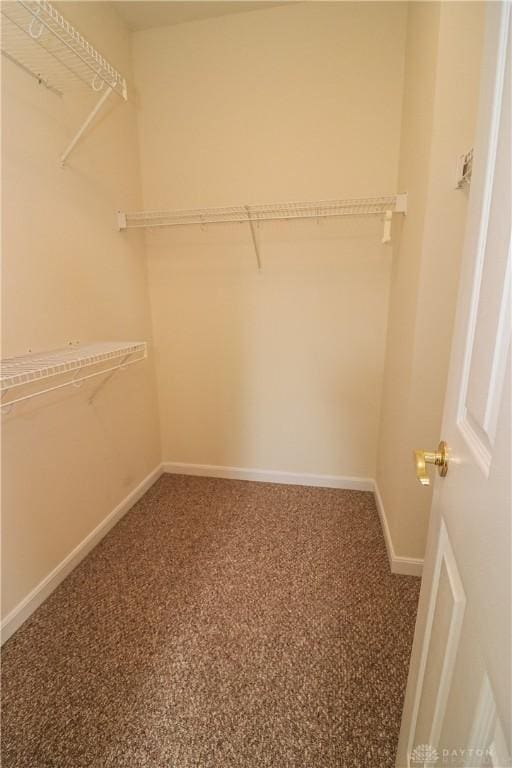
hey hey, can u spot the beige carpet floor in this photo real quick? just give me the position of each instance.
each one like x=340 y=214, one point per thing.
x=220 y=624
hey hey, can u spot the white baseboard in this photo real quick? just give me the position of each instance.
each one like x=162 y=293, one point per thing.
x=269 y=476
x=407 y=566
x=33 y=600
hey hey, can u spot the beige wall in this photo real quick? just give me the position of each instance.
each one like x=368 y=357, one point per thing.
x=280 y=370
x=277 y=370
x=69 y=275
x=439 y=110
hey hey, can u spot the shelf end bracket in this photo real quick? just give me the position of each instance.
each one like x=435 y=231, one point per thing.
x=401 y=203
x=388 y=218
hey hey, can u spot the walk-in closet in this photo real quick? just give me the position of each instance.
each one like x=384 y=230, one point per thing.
x=234 y=236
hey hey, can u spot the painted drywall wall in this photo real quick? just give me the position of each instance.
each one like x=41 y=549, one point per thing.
x=68 y=275
x=282 y=369
x=442 y=74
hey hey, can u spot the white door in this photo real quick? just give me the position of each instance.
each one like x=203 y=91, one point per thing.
x=457 y=707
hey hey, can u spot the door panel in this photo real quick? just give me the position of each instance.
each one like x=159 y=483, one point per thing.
x=489 y=322
x=446 y=611
x=457 y=708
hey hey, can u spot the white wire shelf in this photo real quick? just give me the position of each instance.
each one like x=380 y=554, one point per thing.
x=37 y=38
x=384 y=206
x=367 y=206
x=42 y=366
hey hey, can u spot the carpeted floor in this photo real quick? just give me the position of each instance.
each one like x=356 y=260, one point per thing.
x=221 y=624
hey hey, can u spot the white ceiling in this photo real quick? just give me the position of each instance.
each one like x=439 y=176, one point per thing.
x=144 y=14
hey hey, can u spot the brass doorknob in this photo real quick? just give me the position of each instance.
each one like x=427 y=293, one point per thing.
x=439 y=458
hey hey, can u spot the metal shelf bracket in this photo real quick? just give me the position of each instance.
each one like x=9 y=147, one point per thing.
x=31 y=369
x=253 y=235
x=88 y=120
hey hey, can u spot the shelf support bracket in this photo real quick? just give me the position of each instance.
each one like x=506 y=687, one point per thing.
x=388 y=218
x=401 y=203
x=254 y=240
x=111 y=373
x=85 y=125
x=400 y=207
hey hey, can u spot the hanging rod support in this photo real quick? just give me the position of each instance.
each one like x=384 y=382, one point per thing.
x=85 y=124
x=254 y=240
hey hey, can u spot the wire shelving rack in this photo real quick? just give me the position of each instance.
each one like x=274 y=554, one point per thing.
x=367 y=206
x=37 y=38
x=41 y=367
x=383 y=206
